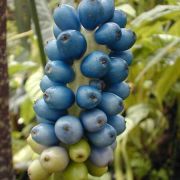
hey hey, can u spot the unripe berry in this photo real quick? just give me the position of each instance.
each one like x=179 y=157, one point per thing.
x=54 y=159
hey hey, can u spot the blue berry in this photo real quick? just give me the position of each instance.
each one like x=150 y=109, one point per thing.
x=111 y=104
x=118 y=71
x=59 y=97
x=88 y=97
x=44 y=134
x=71 y=45
x=119 y=18
x=126 y=41
x=107 y=34
x=95 y=65
x=59 y=72
x=101 y=157
x=68 y=129
x=97 y=83
x=125 y=55
x=118 y=122
x=93 y=120
x=56 y=31
x=66 y=18
x=47 y=83
x=44 y=111
x=120 y=89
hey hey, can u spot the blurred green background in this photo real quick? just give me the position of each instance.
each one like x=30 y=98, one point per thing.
x=150 y=147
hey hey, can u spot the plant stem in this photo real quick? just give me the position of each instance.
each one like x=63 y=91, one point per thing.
x=35 y=18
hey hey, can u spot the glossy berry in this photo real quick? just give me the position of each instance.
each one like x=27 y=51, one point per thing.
x=59 y=97
x=108 y=33
x=90 y=13
x=59 y=72
x=125 y=55
x=108 y=7
x=111 y=104
x=80 y=151
x=44 y=134
x=88 y=97
x=97 y=83
x=44 y=111
x=47 y=83
x=52 y=51
x=37 y=148
x=76 y=171
x=43 y=120
x=95 y=170
x=104 y=137
x=37 y=172
x=95 y=65
x=68 y=129
x=93 y=120
x=54 y=159
x=118 y=71
x=71 y=45
x=118 y=122
x=101 y=157
x=56 y=31
x=119 y=18
x=126 y=41
x=120 y=89
x=66 y=18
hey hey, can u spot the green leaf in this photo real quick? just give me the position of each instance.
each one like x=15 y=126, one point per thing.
x=157 y=58
x=128 y=9
x=159 y=12
x=32 y=85
x=168 y=78
x=26 y=110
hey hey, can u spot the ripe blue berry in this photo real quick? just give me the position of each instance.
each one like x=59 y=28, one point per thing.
x=44 y=111
x=66 y=18
x=118 y=122
x=125 y=55
x=68 y=129
x=88 y=97
x=59 y=97
x=47 y=83
x=97 y=83
x=120 y=89
x=111 y=104
x=44 y=134
x=126 y=41
x=104 y=137
x=56 y=31
x=119 y=18
x=95 y=65
x=101 y=157
x=93 y=120
x=52 y=51
x=71 y=45
x=43 y=120
x=108 y=33
x=118 y=71
x=90 y=13
x=59 y=72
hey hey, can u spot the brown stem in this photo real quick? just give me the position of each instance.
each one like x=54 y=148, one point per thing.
x=6 y=170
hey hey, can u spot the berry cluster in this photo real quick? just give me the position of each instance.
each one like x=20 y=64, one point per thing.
x=80 y=145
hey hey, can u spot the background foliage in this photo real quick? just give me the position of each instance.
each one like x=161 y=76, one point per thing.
x=149 y=149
